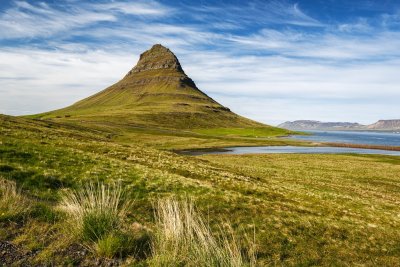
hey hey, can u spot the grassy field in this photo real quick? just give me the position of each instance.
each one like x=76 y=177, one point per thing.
x=304 y=210
x=324 y=209
x=245 y=132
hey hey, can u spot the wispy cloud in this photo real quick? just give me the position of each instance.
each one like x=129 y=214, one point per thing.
x=25 y=20
x=360 y=26
x=144 y=8
x=256 y=12
x=391 y=20
x=37 y=80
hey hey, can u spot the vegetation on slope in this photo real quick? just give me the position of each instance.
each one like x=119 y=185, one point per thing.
x=96 y=214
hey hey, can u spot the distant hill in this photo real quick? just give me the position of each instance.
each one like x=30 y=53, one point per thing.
x=385 y=125
x=381 y=125
x=318 y=125
x=156 y=93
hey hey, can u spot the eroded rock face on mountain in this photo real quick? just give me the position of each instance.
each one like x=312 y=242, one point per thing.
x=158 y=64
x=158 y=57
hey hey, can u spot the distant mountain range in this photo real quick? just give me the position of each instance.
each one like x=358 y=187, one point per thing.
x=385 y=125
x=381 y=125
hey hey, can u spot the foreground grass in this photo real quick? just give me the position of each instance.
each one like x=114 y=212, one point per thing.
x=96 y=213
x=304 y=209
x=13 y=205
x=183 y=238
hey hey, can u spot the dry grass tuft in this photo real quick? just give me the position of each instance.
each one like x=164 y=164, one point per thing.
x=183 y=239
x=12 y=203
x=95 y=210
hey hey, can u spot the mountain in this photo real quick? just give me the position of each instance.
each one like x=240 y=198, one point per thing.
x=381 y=125
x=318 y=125
x=157 y=93
x=388 y=125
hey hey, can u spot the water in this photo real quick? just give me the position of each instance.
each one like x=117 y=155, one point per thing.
x=292 y=150
x=365 y=138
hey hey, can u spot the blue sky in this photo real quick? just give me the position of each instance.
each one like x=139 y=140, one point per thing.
x=329 y=60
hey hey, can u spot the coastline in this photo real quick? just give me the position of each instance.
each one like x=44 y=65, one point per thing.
x=202 y=151
x=380 y=147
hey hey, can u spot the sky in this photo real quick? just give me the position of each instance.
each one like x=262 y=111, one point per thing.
x=269 y=60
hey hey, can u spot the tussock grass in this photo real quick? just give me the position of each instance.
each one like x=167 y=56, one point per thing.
x=110 y=245
x=183 y=238
x=12 y=204
x=97 y=213
x=95 y=210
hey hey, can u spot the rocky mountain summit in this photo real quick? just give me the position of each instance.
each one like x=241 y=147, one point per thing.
x=158 y=57
x=159 y=60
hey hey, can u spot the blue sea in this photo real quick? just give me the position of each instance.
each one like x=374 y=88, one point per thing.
x=353 y=137
x=365 y=138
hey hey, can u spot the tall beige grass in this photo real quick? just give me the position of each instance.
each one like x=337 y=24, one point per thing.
x=12 y=203
x=95 y=210
x=183 y=238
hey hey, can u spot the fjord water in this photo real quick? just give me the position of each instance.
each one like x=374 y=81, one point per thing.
x=353 y=137
x=293 y=150
x=365 y=138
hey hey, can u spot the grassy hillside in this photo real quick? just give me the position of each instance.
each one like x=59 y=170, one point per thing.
x=304 y=209
x=156 y=93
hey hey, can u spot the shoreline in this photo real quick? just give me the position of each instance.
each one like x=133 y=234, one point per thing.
x=202 y=151
x=361 y=146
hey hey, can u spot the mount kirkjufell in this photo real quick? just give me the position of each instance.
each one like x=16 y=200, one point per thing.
x=156 y=92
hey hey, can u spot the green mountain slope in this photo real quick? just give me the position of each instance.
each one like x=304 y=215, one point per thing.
x=156 y=93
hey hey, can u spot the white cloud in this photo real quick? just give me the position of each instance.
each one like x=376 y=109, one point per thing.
x=25 y=20
x=142 y=8
x=255 y=12
x=361 y=26
x=324 y=46
x=33 y=81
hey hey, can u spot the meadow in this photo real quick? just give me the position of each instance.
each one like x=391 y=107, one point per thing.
x=261 y=210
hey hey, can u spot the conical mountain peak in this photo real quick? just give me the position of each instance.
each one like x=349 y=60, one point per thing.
x=157 y=58
x=156 y=92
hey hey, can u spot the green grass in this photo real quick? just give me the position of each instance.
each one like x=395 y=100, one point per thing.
x=245 y=132
x=324 y=209
x=109 y=246
x=96 y=213
x=120 y=244
x=305 y=209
